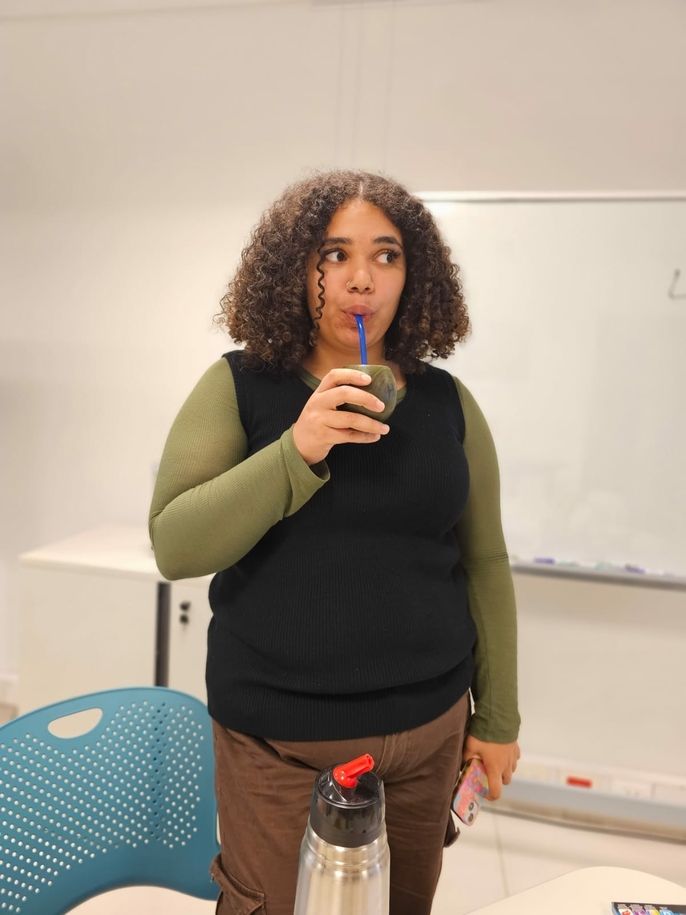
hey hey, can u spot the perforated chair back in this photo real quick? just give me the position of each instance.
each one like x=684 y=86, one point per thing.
x=129 y=802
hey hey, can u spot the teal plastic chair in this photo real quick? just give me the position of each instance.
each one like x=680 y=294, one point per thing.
x=130 y=802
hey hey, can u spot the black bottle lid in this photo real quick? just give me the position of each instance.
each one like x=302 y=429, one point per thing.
x=348 y=804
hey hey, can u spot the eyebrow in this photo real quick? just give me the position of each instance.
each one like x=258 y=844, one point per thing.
x=380 y=239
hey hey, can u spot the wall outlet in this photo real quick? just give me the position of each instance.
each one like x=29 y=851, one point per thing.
x=632 y=788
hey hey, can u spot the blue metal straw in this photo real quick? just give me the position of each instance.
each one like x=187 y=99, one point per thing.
x=363 y=339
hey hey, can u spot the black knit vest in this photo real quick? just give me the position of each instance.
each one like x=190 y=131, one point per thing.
x=349 y=618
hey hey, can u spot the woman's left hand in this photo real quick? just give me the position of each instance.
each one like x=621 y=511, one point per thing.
x=499 y=759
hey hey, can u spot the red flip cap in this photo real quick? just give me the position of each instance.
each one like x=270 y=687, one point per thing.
x=348 y=773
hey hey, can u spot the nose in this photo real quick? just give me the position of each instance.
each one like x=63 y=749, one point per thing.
x=360 y=281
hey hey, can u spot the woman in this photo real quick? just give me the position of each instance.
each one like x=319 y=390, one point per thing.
x=362 y=583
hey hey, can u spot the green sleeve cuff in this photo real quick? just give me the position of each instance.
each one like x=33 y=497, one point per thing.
x=483 y=730
x=305 y=480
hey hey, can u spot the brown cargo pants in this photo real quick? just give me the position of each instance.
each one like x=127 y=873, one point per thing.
x=263 y=797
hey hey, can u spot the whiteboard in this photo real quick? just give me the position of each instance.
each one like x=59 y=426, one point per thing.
x=577 y=360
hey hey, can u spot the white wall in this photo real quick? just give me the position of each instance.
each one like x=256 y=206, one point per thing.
x=139 y=147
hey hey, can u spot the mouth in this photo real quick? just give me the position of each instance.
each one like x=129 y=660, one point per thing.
x=364 y=310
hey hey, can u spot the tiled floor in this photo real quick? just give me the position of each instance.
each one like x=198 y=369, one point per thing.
x=499 y=856
x=503 y=855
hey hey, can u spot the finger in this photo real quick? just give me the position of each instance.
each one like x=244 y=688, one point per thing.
x=495 y=785
x=337 y=377
x=351 y=436
x=341 y=419
x=346 y=393
x=494 y=793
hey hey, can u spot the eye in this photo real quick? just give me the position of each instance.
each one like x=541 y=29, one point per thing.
x=334 y=259
x=391 y=254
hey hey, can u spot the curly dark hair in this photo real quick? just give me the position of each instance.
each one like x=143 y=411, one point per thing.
x=265 y=305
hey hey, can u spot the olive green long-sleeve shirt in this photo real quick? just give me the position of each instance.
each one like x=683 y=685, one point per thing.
x=206 y=478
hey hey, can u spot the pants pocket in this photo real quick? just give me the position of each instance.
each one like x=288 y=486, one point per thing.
x=235 y=898
x=452 y=833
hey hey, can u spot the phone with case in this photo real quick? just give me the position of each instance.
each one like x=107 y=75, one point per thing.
x=471 y=788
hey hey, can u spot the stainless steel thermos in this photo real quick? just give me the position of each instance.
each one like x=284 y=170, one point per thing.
x=344 y=856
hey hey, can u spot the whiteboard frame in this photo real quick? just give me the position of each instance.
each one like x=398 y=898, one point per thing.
x=618 y=576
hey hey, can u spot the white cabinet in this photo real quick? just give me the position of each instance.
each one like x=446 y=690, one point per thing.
x=81 y=632
x=189 y=618
x=91 y=619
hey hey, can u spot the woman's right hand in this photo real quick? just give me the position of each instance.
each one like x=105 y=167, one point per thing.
x=320 y=426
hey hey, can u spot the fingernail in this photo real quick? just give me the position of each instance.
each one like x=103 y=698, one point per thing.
x=380 y=404
x=364 y=376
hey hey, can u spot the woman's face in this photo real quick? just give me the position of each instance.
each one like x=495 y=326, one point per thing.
x=364 y=273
